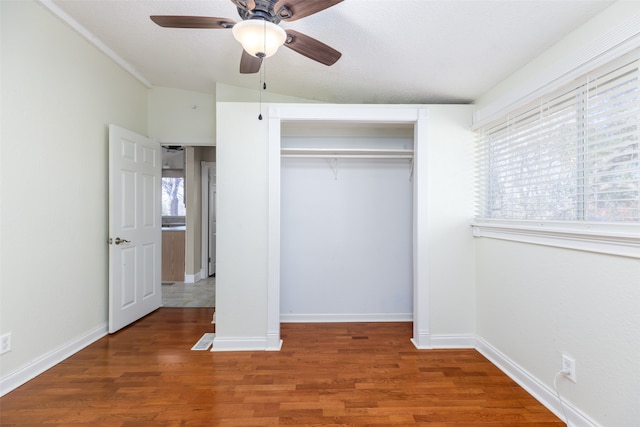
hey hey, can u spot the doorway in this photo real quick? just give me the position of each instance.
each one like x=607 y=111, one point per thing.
x=186 y=282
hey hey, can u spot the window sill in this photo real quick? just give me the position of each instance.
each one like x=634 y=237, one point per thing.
x=613 y=239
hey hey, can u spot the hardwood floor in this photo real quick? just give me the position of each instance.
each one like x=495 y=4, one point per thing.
x=364 y=374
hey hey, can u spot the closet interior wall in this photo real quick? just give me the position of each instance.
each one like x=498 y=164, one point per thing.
x=346 y=223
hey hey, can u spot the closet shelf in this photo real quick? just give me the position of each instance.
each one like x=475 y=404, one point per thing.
x=355 y=153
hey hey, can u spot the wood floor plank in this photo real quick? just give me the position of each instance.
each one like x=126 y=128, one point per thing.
x=364 y=374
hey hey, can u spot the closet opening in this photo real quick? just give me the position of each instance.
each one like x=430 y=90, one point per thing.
x=347 y=230
x=346 y=222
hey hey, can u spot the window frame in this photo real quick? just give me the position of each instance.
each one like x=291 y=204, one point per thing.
x=613 y=239
x=617 y=238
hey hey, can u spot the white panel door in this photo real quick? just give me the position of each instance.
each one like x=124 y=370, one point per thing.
x=135 y=227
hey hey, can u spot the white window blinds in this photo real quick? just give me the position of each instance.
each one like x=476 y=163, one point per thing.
x=573 y=155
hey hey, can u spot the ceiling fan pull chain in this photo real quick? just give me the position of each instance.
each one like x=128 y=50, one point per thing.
x=264 y=85
x=264 y=65
x=260 y=107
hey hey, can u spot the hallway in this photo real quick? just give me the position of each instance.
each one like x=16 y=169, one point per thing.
x=180 y=294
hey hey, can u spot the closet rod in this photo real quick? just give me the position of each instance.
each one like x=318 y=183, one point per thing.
x=350 y=156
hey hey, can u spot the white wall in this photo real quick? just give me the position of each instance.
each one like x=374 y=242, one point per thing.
x=241 y=291
x=228 y=93
x=193 y=219
x=241 y=241
x=450 y=203
x=535 y=302
x=58 y=96
x=346 y=234
x=181 y=117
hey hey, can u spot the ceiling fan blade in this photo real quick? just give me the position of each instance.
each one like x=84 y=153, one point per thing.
x=249 y=64
x=170 y=21
x=311 y=48
x=290 y=10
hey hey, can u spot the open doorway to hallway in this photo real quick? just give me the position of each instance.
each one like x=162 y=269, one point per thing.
x=187 y=251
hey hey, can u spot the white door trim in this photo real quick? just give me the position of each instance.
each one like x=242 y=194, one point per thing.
x=355 y=114
x=205 y=170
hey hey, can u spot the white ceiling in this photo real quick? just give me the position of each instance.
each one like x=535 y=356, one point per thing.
x=393 y=51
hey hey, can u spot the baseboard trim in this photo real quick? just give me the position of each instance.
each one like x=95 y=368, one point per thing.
x=421 y=340
x=239 y=344
x=453 y=341
x=193 y=278
x=347 y=317
x=534 y=387
x=274 y=343
x=34 y=368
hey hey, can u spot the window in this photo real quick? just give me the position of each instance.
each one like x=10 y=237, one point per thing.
x=173 y=196
x=573 y=155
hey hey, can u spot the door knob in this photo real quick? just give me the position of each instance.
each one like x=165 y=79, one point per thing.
x=118 y=241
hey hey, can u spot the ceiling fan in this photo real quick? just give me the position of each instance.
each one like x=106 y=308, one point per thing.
x=259 y=31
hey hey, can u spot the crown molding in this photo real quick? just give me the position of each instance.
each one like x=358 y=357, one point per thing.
x=95 y=41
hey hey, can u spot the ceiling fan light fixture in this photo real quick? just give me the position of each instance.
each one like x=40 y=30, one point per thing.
x=258 y=37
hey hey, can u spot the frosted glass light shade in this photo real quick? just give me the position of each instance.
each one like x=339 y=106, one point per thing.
x=259 y=38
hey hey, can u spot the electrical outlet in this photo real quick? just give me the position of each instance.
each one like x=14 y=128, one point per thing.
x=5 y=343
x=569 y=367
